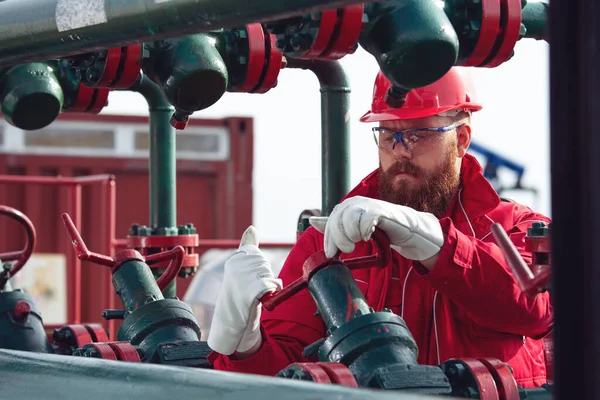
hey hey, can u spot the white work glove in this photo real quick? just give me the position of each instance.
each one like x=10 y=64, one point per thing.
x=415 y=235
x=248 y=276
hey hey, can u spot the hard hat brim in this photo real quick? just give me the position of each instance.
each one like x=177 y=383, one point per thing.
x=405 y=114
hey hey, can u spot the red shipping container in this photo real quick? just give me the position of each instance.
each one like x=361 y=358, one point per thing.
x=214 y=192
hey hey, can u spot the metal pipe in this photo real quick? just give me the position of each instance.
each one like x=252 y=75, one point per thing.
x=163 y=213
x=335 y=129
x=73 y=378
x=36 y=30
x=535 y=19
x=163 y=165
x=575 y=168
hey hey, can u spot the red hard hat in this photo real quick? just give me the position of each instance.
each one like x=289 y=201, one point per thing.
x=451 y=92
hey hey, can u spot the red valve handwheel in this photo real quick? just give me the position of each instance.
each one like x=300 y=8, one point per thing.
x=21 y=256
x=318 y=261
x=176 y=255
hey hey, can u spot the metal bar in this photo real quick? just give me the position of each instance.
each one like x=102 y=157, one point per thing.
x=335 y=129
x=36 y=30
x=55 y=180
x=74 y=378
x=111 y=218
x=575 y=167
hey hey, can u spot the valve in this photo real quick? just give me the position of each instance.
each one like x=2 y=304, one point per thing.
x=533 y=278
x=327 y=35
x=80 y=98
x=153 y=325
x=21 y=325
x=71 y=337
x=115 y=68
x=488 y=30
x=190 y=72
x=404 y=36
x=31 y=95
x=252 y=58
x=144 y=240
x=364 y=348
x=303 y=221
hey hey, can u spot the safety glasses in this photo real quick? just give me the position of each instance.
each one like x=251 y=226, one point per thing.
x=415 y=141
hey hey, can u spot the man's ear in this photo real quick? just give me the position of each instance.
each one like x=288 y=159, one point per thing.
x=463 y=139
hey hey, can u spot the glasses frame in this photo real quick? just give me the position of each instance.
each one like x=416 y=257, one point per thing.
x=399 y=135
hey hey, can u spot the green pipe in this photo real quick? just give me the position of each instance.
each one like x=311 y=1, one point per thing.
x=163 y=166
x=535 y=20
x=75 y=378
x=335 y=129
x=37 y=30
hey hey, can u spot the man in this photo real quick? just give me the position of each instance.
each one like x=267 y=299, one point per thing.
x=447 y=278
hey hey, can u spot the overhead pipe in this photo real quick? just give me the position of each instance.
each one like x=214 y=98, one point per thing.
x=335 y=128
x=163 y=165
x=37 y=30
x=74 y=378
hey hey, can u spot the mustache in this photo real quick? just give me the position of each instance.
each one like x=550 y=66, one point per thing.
x=404 y=167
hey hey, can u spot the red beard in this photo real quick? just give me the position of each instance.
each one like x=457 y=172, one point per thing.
x=431 y=191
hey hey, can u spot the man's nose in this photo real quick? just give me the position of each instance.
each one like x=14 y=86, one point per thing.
x=400 y=152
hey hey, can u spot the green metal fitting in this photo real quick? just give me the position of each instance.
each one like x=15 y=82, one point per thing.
x=189 y=70
x=31 y=95
x=538 y=229
x=135 y=285
x=535 y=20
x=404 y=36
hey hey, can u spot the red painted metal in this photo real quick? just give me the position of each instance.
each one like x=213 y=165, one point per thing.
x=174 y=256
x=256 y=57
x=125 y=351
x=272 y=67
x=509 y=32
x=345 y=37
x=111 y=68
x=21 y=256
x=215 y=196
x=339 y=374
x=132 y=59
x=188 y=242
x=490 y=29
x=486 y=385
x=505 y=381
x=73 y=186
x=327 y=24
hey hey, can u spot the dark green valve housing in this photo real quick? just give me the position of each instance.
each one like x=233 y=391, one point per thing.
x=30 y=95
x=413 y=42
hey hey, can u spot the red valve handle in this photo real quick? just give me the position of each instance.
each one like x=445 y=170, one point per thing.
x=21 y=256
x=176 y=255
x=318 y=261
x=529 y=283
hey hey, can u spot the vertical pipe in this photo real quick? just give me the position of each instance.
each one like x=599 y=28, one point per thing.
x=75 y=200
x=111 y=218
x=163 y=167
x=335 y=129
x=575 y=168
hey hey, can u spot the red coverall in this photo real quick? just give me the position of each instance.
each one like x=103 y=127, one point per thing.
x=469 y=305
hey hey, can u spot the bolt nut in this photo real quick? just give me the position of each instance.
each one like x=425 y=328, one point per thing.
x=179 y=125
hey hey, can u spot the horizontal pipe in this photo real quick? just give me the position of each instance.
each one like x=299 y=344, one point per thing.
x=535 y=20
x=43 y=376
x=217 y=244
x=57 y=180
x=36 y=30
